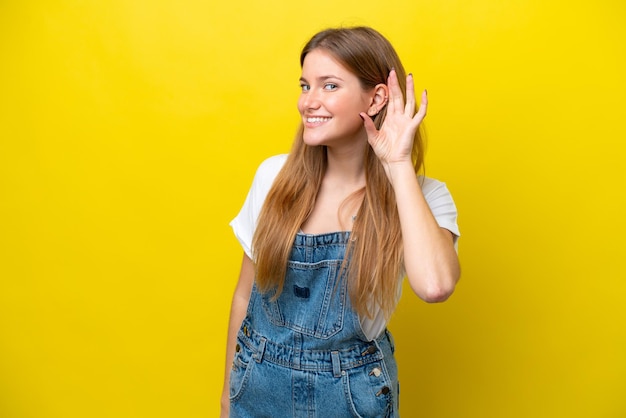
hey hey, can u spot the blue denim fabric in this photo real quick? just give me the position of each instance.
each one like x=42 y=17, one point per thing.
x=304 y=354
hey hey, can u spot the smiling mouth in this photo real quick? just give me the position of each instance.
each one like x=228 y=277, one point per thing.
x=317 y=120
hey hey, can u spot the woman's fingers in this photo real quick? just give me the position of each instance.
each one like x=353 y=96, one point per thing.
x=370 y=128
x=421 y=112
x=396 y=100
x=397 y=105
x=409 y=108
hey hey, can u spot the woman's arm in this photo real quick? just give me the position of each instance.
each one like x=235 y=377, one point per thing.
x=430 y=260
x=238 y=308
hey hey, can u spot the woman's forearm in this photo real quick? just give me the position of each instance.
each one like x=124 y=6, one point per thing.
x=430 y=260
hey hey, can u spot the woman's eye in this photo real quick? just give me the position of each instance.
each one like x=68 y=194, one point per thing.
x=305 y=87
x=330 y=86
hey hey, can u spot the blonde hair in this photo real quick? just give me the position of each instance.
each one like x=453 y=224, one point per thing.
x=374 y=256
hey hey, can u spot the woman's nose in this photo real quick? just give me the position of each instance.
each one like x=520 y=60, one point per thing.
x=311 y=100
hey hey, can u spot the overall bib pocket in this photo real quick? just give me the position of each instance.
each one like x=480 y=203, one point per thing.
x=309 y=307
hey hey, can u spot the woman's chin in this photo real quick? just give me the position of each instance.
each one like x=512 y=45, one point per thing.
x=313 y=140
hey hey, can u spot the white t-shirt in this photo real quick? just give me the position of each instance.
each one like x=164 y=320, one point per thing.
x=436 y=193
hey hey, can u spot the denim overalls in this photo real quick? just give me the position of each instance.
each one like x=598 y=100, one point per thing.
x=305 y=354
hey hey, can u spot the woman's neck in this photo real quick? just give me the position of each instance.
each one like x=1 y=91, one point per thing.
x=346 y=166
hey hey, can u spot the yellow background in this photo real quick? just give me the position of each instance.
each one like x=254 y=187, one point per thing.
x=129 y=134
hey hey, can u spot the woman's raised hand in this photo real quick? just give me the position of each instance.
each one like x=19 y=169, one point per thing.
x=394 y=141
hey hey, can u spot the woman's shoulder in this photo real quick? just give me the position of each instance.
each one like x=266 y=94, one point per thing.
x=430 y=184
x=272 y=165
x=268 y=170
x=435 y=192
x=441 y=204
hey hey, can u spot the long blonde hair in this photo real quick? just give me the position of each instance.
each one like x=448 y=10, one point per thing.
x=375 y=253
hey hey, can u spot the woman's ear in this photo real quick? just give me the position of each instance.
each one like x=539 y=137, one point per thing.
x=379 y=99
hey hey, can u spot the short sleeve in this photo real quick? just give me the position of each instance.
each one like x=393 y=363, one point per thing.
x=441 y=205
x=245 y=222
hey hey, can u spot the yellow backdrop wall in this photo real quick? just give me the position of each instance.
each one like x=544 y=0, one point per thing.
x=129 y=134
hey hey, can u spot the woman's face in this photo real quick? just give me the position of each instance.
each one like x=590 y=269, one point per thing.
x=331 y=101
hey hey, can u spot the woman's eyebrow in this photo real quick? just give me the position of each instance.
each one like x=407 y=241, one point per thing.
x=324 y=78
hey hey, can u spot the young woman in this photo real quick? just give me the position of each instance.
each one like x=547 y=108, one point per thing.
x=329 y=232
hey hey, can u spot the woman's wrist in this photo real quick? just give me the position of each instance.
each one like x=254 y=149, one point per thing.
x=397 y=170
